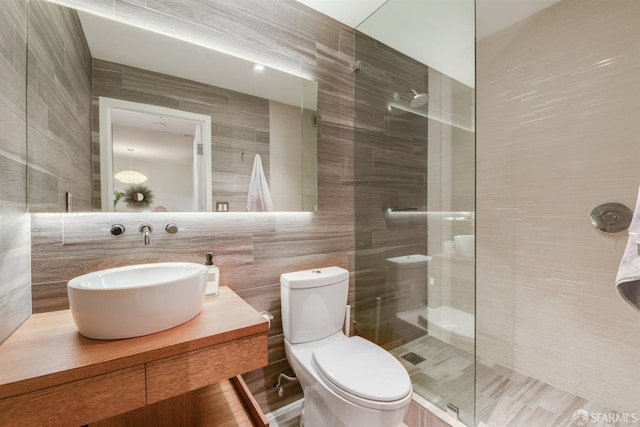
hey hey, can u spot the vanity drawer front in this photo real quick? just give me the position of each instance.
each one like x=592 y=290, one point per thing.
x=189 y=371
x=78 y=402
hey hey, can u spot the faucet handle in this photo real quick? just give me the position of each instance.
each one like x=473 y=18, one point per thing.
x=171 y=228
x=117 y=229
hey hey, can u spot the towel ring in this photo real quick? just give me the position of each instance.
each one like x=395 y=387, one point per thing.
x=611 y=217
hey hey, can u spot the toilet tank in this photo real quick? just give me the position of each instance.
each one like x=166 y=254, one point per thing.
x=313 y=303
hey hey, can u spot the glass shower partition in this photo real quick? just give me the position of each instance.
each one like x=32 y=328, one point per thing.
x=414 y=172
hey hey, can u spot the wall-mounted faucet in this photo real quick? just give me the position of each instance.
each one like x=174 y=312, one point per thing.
x=146 y=230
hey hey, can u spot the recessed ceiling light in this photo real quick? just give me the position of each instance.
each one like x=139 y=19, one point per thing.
x=257 y=67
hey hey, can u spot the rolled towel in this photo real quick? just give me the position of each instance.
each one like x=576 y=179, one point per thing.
x=628 y=277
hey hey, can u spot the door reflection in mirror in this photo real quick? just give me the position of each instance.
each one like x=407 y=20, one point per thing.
x=167 y=146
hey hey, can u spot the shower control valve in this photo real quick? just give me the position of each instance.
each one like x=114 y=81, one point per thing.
x=117 y=229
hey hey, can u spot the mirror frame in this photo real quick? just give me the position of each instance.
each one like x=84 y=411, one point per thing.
x=107 y=105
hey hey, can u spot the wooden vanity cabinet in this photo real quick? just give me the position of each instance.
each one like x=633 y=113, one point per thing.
x=50 y=375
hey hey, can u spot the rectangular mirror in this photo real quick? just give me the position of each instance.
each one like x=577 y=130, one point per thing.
x=205 y=131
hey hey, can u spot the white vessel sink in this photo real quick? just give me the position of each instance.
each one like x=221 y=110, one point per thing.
x=136 y=300
x=465 y=244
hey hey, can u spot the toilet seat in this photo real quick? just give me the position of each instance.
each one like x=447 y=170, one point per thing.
x=362 y=372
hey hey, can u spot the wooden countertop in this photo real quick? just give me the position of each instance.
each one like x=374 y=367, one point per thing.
x=47 y=349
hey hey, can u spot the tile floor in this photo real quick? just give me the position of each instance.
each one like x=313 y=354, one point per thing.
x=505 y=398
x=445 y=376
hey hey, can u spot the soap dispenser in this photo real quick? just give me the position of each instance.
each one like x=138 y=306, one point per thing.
x=213 y=278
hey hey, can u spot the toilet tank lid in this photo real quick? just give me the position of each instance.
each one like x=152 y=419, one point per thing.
x=410 y=259
x=314 y=278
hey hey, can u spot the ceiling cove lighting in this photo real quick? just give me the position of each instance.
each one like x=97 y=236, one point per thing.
x=130 y=176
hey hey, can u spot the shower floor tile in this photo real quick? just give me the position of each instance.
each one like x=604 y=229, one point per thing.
x=505 y=398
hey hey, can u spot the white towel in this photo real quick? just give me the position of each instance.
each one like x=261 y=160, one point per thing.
x=628 y=278
x=259 y=198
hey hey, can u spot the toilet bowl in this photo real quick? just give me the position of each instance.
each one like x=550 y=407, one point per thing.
x=346 y=381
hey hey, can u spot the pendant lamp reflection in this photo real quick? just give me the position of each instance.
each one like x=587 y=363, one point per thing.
x=130 y=176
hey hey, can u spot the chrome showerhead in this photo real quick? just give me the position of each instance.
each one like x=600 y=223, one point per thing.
x=419 y=99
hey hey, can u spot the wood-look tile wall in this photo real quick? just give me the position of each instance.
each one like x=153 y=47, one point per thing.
x=59 y=88
x=558 y=103
x=240 y=122
x=405 y=160
x=389 y=171
x=15 y=240
x=252 y=250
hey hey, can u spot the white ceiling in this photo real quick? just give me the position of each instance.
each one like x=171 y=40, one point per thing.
x=496 y=15
x=150 y=145
x=152 y=122
x=492 y=15
x=160 y=141
x=350 y=12
x=438 y=33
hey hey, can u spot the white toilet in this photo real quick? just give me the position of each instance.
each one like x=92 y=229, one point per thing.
x=347 y=382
